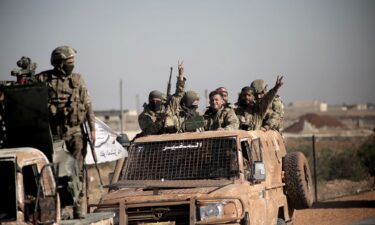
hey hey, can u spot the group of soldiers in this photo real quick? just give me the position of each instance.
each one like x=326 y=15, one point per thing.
x=70 y=107
x=255 y=109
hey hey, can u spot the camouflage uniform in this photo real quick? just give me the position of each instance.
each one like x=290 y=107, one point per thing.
x=177 y=113
x=275 y=111
x=223 y=118
x=69 y=107
x=251 y=116
x=150 y=120
x=274 y=116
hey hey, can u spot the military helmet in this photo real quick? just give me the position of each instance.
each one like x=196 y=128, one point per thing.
x=189 y=98
x=155 y=94
x=61 y=53
x=258 y=86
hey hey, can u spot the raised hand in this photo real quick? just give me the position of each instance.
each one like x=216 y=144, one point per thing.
x=181 y=70
x=279 y=81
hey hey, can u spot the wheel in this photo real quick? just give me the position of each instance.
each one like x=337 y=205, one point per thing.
x=298 y=182
x=280 y=222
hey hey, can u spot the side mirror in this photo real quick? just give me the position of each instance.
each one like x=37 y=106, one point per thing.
x=259 y=172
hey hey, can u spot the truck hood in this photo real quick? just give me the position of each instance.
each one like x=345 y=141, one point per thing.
x=183 y=188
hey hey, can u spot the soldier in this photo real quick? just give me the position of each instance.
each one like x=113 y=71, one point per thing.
x=69 y=106
x=182 y=114
x=151 y=120
x=224 y=92
x=275 y=113
x=245 y=102
x=219 y=117
x=251 y=112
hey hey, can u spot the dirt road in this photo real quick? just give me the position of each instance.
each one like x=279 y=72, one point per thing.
x=341 y=211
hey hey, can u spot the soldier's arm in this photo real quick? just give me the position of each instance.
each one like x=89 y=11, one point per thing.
x=90 y=117
x=181 y=80
x=274 y=117
x=231 y=121
x=269 y=96
x=148 y=126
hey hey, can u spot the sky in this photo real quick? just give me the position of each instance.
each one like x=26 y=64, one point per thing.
x=325 y=49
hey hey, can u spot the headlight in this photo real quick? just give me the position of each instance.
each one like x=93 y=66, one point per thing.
x=219 y=210
x=211 y=210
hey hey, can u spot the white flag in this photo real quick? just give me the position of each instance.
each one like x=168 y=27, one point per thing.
x=106 y=147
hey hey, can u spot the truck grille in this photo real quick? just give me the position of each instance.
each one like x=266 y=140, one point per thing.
x=176 y=213
x=180 y=160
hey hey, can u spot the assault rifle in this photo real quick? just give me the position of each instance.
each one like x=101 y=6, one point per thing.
x=169 y=84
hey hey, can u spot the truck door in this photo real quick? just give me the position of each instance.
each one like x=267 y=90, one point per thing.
x=8 y=189
x=257 y=207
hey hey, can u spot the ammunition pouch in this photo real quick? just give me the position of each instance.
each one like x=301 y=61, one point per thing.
x=77 y=114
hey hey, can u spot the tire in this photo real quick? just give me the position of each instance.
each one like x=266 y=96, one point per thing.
x=280 y=222
x=298 y=182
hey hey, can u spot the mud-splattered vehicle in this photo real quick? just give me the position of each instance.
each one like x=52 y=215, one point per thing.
x=28 y=191
x=213 y=177
x=38 y=175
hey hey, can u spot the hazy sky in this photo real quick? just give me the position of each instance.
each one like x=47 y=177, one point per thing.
x=324 y=48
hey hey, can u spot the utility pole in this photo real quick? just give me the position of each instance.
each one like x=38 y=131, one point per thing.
x=138 y=102
x=121 y=110
x=206 y=96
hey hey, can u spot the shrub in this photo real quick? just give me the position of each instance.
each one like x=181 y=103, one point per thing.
x=366 y=154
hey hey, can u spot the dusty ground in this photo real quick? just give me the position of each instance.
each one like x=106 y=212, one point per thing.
x=340 y=211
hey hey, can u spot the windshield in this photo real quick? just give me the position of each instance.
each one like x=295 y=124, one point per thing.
x=211 y=158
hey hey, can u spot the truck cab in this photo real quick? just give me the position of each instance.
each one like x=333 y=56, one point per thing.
x=28 y=191
x=22 y=169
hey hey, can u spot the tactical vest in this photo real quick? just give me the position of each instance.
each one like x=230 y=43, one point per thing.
x=65 y=98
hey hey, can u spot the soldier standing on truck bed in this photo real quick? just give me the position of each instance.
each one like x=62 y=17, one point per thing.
x=151 y=120
x=251 y=112
x=69 y=107
x=182 y=114
x=219 y=116
x=275 y=113
x=158 y=115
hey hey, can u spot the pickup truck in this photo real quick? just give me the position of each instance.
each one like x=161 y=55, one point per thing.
x=213 y=177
